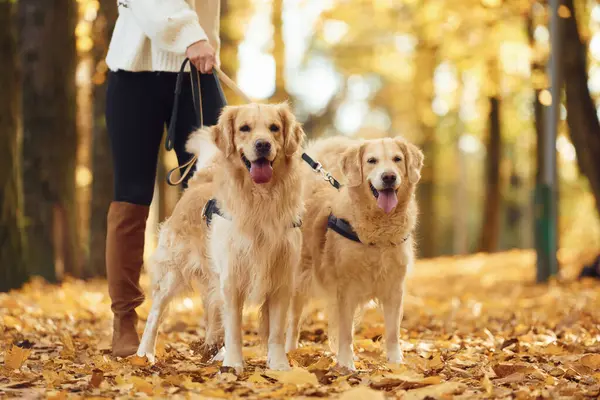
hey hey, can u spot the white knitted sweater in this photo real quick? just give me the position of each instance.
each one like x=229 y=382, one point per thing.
x=153 y=35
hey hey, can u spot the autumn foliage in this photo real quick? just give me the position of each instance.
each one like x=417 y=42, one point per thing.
x=474 y=327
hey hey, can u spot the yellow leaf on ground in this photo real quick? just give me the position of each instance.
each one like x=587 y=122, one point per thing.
x=322 y=363
x=256 y=377
x=591 y=361
x=139 y=361
x=141 y=385
x=11 y=322
x=435 y=391
x=16 y=357
x=296 y=376
x=218 y=393
x=362 y=393
x=486 y=383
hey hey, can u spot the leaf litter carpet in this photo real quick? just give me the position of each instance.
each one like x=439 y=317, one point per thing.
x=474 y=327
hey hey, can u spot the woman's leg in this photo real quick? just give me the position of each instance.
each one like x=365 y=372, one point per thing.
x=213 y=101
x=135 y=121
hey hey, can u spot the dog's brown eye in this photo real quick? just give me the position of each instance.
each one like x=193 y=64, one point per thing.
x=397 y=159
x=372 y=160
x=245 y=128
x=274 y=128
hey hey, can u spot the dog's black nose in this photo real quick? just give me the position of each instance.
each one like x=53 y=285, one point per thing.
x=388 y=178
x=263 y=148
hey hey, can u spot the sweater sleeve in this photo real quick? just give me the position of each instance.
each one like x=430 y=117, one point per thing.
x=172 y=25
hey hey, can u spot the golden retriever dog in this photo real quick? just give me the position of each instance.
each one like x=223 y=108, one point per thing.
x=244 y=245
x=377 y=211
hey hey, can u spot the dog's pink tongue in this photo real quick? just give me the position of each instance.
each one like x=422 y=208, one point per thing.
x=261 y=171
x=387 y=200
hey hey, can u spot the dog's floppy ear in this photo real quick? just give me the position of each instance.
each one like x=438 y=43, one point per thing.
x=413 y=158
x=293 y=134
x=223 y=133
x=351 y=164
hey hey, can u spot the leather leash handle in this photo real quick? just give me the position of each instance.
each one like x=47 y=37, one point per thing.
x=196 y=96
x=231 y=84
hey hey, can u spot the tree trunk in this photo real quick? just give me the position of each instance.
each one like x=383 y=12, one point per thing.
x=48 y=57
x=102 y=183
x=537 y=68
x=582 y=117
x=490 y=228
x=281 y=93
x=426 y=59
x=12 y=240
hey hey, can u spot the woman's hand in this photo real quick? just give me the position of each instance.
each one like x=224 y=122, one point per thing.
x=202 y=55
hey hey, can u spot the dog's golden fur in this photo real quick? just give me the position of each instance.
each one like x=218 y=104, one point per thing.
x=348 y=273
x=251 y=252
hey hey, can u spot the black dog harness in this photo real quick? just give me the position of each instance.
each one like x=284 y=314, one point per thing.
x=343 y=227
x=211 y=208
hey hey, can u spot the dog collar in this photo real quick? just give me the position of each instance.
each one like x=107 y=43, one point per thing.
x=343 y=227
x=211 y=208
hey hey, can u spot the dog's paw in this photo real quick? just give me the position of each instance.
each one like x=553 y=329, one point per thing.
x=395 y=356
x=344 y=369
x=148 y=354
x=346 y=364
x=220 y=356
x=237 y=368
x=276 y=358
x=291 y=346
x=279 y=365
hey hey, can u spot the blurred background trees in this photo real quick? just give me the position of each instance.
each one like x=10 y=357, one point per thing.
x=464 y=80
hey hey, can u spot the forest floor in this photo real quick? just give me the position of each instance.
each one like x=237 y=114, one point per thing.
x=474 y=327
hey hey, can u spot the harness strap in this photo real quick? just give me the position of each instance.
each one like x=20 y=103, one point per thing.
x=211 y=208
x=343 y=227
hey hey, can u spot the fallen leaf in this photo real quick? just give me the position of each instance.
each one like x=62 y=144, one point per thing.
x=513 y=378
x=407 y=380
x=141 y=385
x=362 y=393
x=67 y=342
x=435 y=391
x=16 y=357
x=296 y=376
x=97 y=378
x=323 y=363
x=256 y=377
x=58 y=396
x=591 y=361
x=503 y=370
x=486 y=383
x=139 y=361
x=216 y=392
x=11 y=322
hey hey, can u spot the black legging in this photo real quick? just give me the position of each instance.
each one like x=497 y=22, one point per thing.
x=138 y=107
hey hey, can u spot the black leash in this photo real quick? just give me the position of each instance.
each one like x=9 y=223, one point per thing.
x=197 y=99
x=317 y=167
x=170 y=141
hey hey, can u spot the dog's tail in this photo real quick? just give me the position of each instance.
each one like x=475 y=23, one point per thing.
x=201 y=145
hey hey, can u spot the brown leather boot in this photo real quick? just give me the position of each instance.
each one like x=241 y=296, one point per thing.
x=124 y=259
